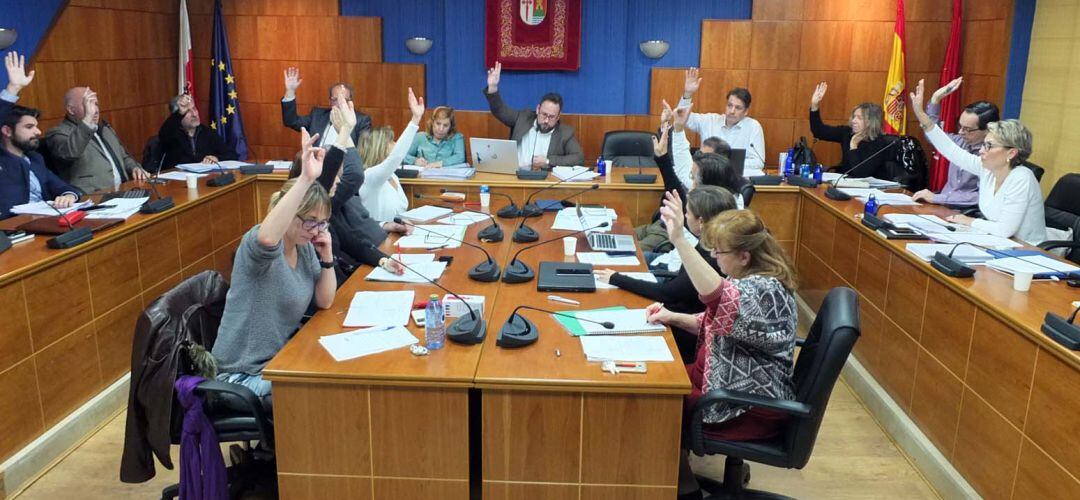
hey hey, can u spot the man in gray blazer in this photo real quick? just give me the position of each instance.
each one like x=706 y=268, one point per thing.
x=318 y=120
x=85 y=151
x=542 y=141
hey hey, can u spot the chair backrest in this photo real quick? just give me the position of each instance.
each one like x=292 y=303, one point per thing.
x=628 y=148
x=1035 y=169
x=1063 y=195
x=820 y=361
x=747 y=191
x=152 y=155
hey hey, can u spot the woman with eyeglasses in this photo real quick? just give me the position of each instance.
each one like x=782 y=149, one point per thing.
x=282 y=265
x=1009 y=197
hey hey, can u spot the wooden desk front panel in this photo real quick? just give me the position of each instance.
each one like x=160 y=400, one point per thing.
x=69 y=315
x=963 y=358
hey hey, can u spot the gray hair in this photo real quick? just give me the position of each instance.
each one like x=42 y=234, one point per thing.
x=1013 y=134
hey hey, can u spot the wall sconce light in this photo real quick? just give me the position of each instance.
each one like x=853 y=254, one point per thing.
x=7 y=37
x=654 y=49
x=418 y=45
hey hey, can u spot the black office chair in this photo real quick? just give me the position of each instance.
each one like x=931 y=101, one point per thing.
x=1062 y=209
x=1035 y=169
x=628 y=148
x=747 y=191
x=823 y=354
x=152 y=155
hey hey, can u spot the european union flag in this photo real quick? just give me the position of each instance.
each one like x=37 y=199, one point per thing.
x=224 y=101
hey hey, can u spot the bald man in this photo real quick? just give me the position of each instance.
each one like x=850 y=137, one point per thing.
x=85 y=150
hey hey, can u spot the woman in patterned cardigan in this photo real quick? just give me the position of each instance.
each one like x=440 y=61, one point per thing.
x=746 y=336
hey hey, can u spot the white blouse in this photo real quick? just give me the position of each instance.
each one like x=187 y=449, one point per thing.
x=383 y=200
x=1015 y=209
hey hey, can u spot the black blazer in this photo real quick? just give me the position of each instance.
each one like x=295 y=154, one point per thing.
x=564 y=148
x=875 y=167
x=316 y=121
x=15 y=184
x=176 y=145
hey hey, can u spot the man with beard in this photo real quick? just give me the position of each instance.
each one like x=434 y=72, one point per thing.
x=23 y=176
x=542 y=142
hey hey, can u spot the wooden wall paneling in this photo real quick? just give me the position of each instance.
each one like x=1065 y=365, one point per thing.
x=591 y=492
x=203 y=264
x=15 y=342
x=871 y=45
x=318 y=76
x=622 y=445
x=935 y=401
x=845 y=253
x=360 y=38
x=985 y=47
x=812 y=278
x=987 y=9
x=865 y=87
x=50 y=83
x=645 y=123
x=833 y=107
x=1040 y=477
x=926 y=44
x=195 y=241
x=715 y=84
x=293 y=486
x=779 y=136
x=224 y=257
x=159 y=252
x=776 y=44
x=871 y=336
x=366 y=78
x=248 y=210
x=926 y=10
x=826 y=46
x=245 y=38
x=898 y=355
x=906 y=295
x=114 y=334
x=20 y=403
x=113 y=273
x=777 y=10
x=666 y=83
x=948 y=321
x=873 y=273
x=328 y=429
x=402 y=415
x=62 y=283
x=773 y=93
x=780 y=213
x=979 y=87
x=1056 y=389
x=528 y=491
x=278 y=37
x=1000 y=367
x=591 y=133
x=420 y=488
x=724 y=44
x=68 y=373
x=987 y=448
x=524 y=433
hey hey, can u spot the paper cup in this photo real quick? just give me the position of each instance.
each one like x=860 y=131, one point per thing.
x=485 y=200
x=783 y=159
x=192 y=181
x=1022 y=281
x=569 y=245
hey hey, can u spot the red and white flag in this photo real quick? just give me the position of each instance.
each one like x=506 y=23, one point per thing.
x=186 y=71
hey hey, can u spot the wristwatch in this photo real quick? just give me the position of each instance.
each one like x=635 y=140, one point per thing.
x=328 y=265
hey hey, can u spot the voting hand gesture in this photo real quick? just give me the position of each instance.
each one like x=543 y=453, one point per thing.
x=416 y=106
x=311 y=156
x=943 y=92
x=292 y=80
x=659 y=145
x=819 y=94
x=673 y=216
x=18 y=78
x=493 y=76
x=692 y=83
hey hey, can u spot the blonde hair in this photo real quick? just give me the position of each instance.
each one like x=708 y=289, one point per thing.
x=874 y=117
x=1013 y=134
x=315 y=199
x=373 y=145
x=743 y=230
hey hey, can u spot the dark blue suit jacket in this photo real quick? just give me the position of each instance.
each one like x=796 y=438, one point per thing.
x=15 y=185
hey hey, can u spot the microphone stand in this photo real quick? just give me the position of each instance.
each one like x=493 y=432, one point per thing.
x=518 y=331
x=520 y=272
x=487 y=271
x=834 y=193
x=492 y=233
x=72 y=237
x=156 y=206
x=223 y=178
x=526 y=234
x=531 y=210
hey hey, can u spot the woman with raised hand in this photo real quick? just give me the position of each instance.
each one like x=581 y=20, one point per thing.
x=746 y=336
x=382 y=193
x=1009 y=197
x=441 y=145
x=860 y=140
x=282 y=265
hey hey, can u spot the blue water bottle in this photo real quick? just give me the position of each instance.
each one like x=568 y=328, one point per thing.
x=789 y=163
x=817 y=174
x=434 y=323
x=804 y=171
x=871 y=205
x=601 y=167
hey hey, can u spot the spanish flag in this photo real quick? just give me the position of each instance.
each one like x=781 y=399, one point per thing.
x=895 y=85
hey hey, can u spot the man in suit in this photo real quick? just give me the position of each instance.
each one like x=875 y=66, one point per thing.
x=86 y=150
x=184 y=139
x=542 y=141
x=318 y=121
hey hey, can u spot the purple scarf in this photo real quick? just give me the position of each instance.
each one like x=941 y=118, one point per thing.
x=202 y=470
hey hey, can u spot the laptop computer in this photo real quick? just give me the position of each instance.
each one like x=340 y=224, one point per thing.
x=607 y=242
x=497 y=156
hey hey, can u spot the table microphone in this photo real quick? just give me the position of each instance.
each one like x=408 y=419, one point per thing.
x=1063 y=331
x=492 y=233
x=526 y=234
x=159 y=205
x=950 y=266
x=510 y=211
x=464 y=330
x=530 y=210
x=154 y=179
x=487 y=271
x=833 y=193
x=518 y=331
x=520 y=272
x=70 y=238
x=223 y=178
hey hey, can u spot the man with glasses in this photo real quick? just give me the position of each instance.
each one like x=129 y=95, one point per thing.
x=542 y=141
x=962 y=189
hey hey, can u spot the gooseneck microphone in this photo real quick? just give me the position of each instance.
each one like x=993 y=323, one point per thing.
x=526 y=234
x=953 y=267
x=834 y=193
x=518 y=331
x=72 y=237
x=530 y=210
x=1063 y=331
x=510 y=211
x=222 y=179
x=487 y=271
x=464 y=330
x=159 y=205
x=492 y=233
x=520 y=272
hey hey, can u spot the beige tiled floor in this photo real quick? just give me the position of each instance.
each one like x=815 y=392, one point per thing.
x=853 y=459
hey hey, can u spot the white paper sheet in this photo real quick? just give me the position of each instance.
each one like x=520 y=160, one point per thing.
x=357 y=343
x=433 y=236
x=625 y=348
x=122 y=208
x=986 y=240
x=280 y=164
x=199 y=168
x=46 y=208
x=178 y=176
x=463 y=218
x=568 y=220
x=1034 y=264
x=380 y=308
x=603 y=259
x=432 y=270
x=574 y=174
x=426 y=213
x=963 y=253
x=625 y=321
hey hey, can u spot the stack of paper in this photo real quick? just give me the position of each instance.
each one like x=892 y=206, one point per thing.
x=624 y=320
x=576 y=174
x=426 y=213
x=380 y=308
x=198 y=168
x=884 y=198
x=963 y=253
x=986 y=240
x=568 y=220
x=433 y=236
x=603 y=259
x=448 y=173
x=122 y=208
x=611 y=348
x=280 y=164
x=874 y=182
x=430 y=270
x=45 y=208
x=1039 y=265
x=178 y=176
x=357 y=343
x=925 y=224
x=463 y=218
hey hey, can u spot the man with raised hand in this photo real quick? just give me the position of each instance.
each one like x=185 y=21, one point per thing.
x=735 y=126
x=318 y=120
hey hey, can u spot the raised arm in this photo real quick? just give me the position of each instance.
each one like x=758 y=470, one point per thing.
x=273 y=227
x=937 y=137
x=502 y=112
x=378 y=174
x=680 y=146
x=817 y=127
x=289 y=117
x=705 y=279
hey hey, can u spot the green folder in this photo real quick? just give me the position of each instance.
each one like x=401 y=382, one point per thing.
x=572 y=325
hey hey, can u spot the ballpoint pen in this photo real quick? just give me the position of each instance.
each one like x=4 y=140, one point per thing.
x=564 y=300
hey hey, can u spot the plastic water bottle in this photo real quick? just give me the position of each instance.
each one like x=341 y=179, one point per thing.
x=601 y=167
x=434 y=323
x=817 y=173
x=804 y=171
x=485 y=196
x=871 y=207
x=789 y=163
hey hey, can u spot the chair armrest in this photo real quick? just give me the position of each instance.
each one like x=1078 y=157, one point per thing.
x=717 y=396
x=250 y=401
x=1052 y=244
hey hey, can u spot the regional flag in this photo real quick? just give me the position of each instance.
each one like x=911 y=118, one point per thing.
x=895 y=85
x=224 y=101
x=186 y=71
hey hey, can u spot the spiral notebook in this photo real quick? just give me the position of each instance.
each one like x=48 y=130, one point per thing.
x=625 y=320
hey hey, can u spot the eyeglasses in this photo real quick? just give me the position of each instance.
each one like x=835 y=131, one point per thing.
x=547 y=116
x=967 y=130
x=987 y=146
x=313 y=224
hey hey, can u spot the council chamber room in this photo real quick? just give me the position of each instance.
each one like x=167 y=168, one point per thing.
x=539 y=249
